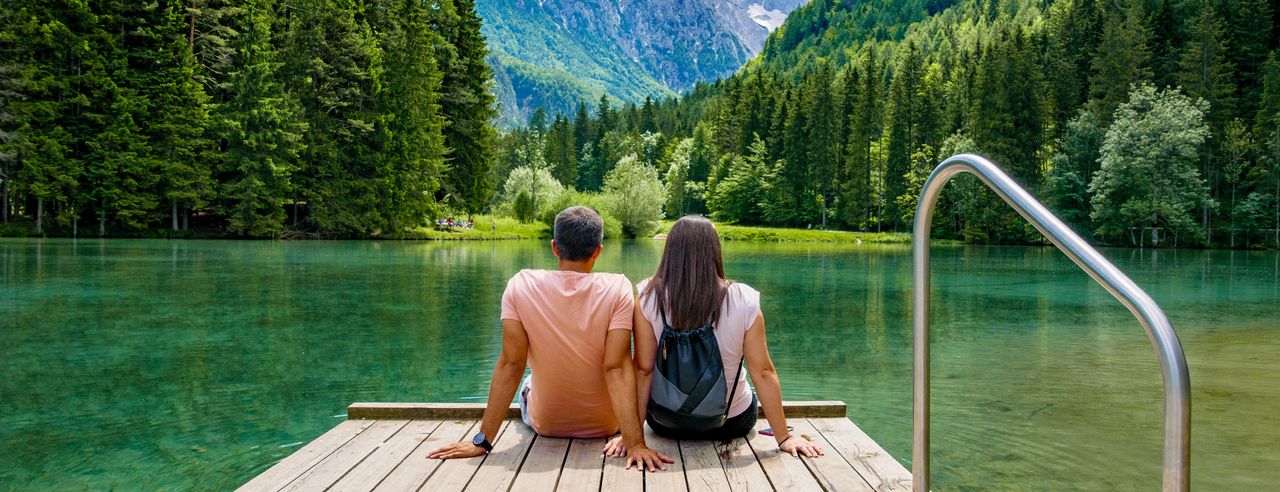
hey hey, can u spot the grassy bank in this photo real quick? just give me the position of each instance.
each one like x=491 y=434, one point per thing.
x=487 y=228
x=731 y=232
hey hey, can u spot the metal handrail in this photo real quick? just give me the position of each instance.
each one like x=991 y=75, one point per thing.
x=1173 y=364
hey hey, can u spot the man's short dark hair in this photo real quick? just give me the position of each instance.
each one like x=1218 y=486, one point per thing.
x=578 y=232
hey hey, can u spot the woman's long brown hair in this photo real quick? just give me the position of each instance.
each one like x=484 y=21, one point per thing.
x=690 y=282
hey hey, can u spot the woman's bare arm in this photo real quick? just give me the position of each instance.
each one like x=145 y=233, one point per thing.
x=755 y=348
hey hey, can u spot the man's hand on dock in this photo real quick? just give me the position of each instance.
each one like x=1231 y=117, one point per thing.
x=456 y=450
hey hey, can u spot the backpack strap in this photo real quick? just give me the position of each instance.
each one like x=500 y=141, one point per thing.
x=736 y=377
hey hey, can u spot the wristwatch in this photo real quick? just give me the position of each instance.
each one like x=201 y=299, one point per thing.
x=482 y=441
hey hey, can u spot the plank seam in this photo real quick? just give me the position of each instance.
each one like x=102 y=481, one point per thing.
x=366 y=456
x=524 y=457
x=762 y=468
x=375 y=450
x=833 y=449
x=435 y=470
x=563 y=459
x=501 y=433
x=320 y=459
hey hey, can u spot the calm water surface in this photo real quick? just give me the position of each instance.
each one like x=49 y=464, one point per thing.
x=196 y=365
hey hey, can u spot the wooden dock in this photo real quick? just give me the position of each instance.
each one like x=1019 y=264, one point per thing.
x=383 y=446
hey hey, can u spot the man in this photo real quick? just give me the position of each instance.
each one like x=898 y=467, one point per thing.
x=574 y=328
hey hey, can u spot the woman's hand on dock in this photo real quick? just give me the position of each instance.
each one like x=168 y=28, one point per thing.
x=640 y=455
x=799 y=445
x=643 y=458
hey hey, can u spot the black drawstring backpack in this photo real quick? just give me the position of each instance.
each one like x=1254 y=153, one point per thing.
x=688 y=391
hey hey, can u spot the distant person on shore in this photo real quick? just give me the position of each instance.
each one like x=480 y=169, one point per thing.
x=574 y=329
x=710 y=329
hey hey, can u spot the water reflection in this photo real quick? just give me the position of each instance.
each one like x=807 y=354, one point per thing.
x=197 y=364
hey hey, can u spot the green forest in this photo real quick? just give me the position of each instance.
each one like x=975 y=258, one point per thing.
x=1139 y=122
x=257 y=118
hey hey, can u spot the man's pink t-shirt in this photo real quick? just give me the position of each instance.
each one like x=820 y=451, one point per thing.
x=567 y=316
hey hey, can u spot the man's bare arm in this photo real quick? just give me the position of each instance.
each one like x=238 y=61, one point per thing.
x=502 y=388
x=619 y=376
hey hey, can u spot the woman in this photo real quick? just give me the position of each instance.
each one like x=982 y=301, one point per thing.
x=689 y=292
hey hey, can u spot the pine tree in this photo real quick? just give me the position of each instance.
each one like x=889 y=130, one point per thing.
x=1206 y=74
x=581 y=128
x=864 y=130
x=1166 y=43
x=180 y=117
x=1123 y=60
x=1267 y=120
x=1250 y=40
x=330 y=63
x=411 y=124
x=262 y=134
x=559 y=152
x=468 y=106
x=906 y=108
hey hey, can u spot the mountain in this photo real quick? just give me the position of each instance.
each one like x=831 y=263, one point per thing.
x=555 y=53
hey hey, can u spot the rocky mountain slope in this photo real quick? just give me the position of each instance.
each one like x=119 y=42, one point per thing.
x=554 y=53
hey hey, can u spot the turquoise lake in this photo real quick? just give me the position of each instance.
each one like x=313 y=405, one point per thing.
x=198 y=364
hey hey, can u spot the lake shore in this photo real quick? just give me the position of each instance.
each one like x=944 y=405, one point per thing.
x=492 y=228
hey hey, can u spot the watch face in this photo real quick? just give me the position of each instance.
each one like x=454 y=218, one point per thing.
x=479 y=439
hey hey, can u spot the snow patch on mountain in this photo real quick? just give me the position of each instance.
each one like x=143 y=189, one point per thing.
x=768 y=19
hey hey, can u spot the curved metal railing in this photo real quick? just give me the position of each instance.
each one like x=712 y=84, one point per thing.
x=1173 y=364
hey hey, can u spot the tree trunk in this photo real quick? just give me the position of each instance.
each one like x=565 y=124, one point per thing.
x=75 y=227
x=102 y=218
x=4 y=203
x=39 y=215
x=824 y=213
x=186 y=214
x=173 y=212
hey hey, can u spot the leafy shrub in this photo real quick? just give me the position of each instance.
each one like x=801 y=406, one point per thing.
x=569 y=198
x=527 y=190
x=634 y=195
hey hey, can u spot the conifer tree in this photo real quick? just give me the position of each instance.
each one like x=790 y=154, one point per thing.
x=1123 y=60
x=1206 y=75
x=1250 y=42
x=581 y=128
x=906 y=109
x=468 y=106
x=179 y=120
x=1204 y=71
x=411 y=144
x=261 y=132
x=330 y=65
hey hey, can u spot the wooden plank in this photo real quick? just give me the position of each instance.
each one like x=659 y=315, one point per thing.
x=303 y=459
x=386 y=457
x=880 y=470
x=825 y=409
x=702 y=466
x=832 y=471
x=424 y=411
x=673 y=477
x=449 y=411
x=741 y=467
x=583 y=466
x=784 y=472
x=454 y=474
x=541 y=468
x=618 y=478
x=333 y=467
x=414 y=470
x=509 y=452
